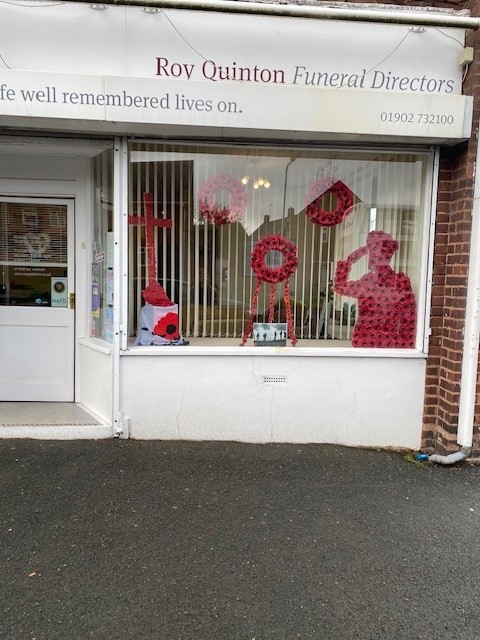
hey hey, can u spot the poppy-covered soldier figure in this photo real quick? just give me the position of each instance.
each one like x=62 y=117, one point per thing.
x=386 y=303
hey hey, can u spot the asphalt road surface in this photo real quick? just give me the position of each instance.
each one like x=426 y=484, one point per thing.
x=223 y=541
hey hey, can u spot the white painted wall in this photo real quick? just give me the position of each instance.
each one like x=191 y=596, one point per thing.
x=354 y=400
x=96 y=364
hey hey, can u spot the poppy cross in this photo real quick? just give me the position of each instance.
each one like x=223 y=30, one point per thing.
x=150 y=223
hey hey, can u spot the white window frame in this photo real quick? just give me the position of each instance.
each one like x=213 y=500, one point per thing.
x=121 y=171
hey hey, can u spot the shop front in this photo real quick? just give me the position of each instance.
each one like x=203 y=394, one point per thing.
x=202 y=240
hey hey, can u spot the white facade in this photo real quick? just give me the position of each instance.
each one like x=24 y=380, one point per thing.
x=132 y=74
x=278 y=398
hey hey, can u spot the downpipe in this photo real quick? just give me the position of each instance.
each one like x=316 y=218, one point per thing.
x=458 y=456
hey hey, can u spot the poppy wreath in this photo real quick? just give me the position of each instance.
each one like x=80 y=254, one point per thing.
x=274 y=274
x=212 y=211
x=313 y=201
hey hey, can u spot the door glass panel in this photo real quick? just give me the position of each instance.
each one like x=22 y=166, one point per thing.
x=33 y=254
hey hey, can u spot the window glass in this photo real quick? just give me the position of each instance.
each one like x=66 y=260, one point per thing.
x=33 y=254
x=102 y=273
x=353 y=219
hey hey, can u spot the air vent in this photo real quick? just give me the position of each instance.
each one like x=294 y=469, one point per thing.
x=275 y=380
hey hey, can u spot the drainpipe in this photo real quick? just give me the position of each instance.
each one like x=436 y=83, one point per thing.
x=458 y=456
x=468 y=381
x=120 y=247
x=421 y=17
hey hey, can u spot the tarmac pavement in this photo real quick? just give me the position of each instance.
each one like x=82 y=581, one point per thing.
x=123 y=539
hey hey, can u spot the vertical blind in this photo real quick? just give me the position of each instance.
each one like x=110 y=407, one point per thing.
x=33 y=233
x=205 y=267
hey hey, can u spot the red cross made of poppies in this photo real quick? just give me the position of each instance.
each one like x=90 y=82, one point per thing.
x=150 y=223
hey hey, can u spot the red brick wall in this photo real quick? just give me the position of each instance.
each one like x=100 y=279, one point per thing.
x=450 y=273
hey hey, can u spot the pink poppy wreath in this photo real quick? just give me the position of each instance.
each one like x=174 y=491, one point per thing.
x=277 y=274
x=212 y=211
x=313 y=201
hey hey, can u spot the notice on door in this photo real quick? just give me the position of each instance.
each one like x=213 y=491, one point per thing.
x=59 y=292
x=33 y=286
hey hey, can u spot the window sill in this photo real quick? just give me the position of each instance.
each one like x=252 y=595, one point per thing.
x=303 y=348
x=97 y=345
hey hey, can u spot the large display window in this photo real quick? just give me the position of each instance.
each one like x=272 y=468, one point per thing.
x=326 y=245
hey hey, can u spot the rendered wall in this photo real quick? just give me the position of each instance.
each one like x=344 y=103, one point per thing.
x=97 y=379
x=344 y=400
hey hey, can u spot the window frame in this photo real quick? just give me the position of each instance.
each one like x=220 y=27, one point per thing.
x=229 y=346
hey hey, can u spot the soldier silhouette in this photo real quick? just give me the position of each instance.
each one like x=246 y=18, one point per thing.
x=386 y=303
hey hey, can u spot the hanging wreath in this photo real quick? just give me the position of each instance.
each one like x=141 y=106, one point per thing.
x=214 y=212
x=313 y=201
x=274 y=274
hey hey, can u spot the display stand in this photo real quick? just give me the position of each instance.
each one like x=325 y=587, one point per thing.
x=158 y=326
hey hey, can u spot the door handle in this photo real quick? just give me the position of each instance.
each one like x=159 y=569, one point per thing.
x=71 y=300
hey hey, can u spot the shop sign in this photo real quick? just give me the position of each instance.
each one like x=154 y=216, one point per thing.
x=182 y=68
x=236 y=106
x=224 y=48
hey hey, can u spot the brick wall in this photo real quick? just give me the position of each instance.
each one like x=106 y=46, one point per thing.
x=448 y=298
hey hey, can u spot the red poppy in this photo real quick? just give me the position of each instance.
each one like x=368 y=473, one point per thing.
x=167 y=327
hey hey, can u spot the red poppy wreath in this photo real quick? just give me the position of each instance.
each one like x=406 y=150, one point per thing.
x=314 y=209
x=216 y=213
x=272 y=275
